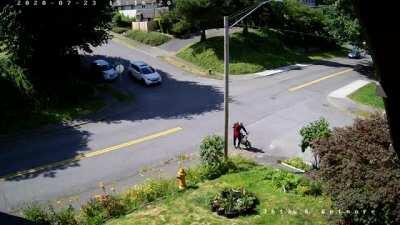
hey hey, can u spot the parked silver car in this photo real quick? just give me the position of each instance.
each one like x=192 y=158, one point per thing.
x=143 y=72
x=354 y=54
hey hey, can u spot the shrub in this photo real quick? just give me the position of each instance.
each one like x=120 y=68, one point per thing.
x=149 y=38
x=309 y=187
x=121 y=20
x=48 y=216
x=119 y=30
x=16 y=92
x=181 y=28
x=283 y=179
x=212 y=150
x=312 y=132
x=234 y=202
x=362 y=172
x=212 y=156
x=37 y=213
x=167 y=20
x=289 y=182
x=235 y=164
x=152 y=190
x=65 y=216
x=298 y=163
x=98 y=210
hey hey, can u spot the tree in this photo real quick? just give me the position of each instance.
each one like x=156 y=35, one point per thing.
x=43 y=39
x=302 y=26
x=341 y=22
x=199 y=13
x=342 y=27
x=379 y=21
x=242 y=6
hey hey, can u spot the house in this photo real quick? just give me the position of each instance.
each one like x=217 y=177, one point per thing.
x=311 y=3
x=142 y=10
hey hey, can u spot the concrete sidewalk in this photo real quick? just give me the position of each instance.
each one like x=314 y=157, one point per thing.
x=339 y=98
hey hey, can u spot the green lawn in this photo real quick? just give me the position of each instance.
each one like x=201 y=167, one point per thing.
x=367 y=96
x=249 y=54
x=192 y=206
x=148 y=38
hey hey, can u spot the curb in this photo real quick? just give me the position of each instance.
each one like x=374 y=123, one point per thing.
x=283 y=69
x=343 y=92
x=267 y=73
x=188 y=67
x=339 y=99
x=292 y=167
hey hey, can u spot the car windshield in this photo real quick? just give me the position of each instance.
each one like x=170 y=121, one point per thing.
x=105 y=67
x=147 y=70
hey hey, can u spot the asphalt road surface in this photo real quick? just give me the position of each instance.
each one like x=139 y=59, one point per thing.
x=164 y=121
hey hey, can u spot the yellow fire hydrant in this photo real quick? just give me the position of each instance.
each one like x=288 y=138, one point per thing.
x=181 y=179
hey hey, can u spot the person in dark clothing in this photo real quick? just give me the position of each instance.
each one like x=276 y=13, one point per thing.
x=237 y=135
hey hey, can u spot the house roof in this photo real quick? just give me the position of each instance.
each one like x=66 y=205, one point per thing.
x=131 y=2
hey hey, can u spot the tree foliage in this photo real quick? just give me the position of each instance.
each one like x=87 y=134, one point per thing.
x=201 y=14
x=42 y=39
x=303 y=26
x=120 y=20
x=342 y=27
x=362 y=172
x=313 y=131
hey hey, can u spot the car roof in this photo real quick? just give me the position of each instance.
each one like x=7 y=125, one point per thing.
x=139 y=63
x=101 y=62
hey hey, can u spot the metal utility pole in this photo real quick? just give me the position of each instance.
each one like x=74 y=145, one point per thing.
x=247 y=12
x=226 y=76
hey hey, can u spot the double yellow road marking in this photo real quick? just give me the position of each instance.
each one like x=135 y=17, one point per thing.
x=319 y=80
x=91 y=154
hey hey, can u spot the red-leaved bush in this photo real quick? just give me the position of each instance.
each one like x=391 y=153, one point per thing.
x=362 y=172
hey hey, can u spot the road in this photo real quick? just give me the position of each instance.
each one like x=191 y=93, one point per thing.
x=165 y=121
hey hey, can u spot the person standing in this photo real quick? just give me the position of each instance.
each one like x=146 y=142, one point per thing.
x=237 y=135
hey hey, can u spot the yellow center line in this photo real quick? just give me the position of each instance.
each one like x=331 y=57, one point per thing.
x=91 y=154
x=319 y=80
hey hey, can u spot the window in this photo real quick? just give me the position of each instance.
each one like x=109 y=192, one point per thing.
x=105 y=67
x=147 y=70
x=135 y=67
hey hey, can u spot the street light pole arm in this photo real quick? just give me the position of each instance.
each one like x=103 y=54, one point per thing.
x=242 y=18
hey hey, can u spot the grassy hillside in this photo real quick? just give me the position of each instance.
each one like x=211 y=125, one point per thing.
x=255 y=52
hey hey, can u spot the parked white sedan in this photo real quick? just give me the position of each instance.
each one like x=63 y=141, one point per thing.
x=105 y=69
x=143 y=72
